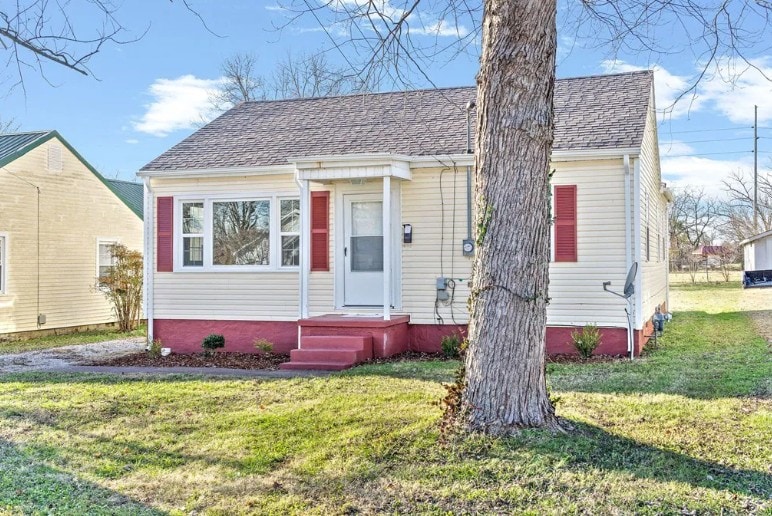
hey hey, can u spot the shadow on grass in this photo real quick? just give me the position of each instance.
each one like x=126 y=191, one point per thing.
x=592 y=446
x=31 y=487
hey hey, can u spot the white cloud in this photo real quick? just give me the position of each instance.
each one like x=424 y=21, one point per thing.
x=701 y=172
x=132 y=141
x=441 y=28
x=669 y=89
x=733 y=89
x=729 y=88
x=674 y=148
x=177 y=104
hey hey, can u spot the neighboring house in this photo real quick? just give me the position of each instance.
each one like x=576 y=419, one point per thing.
x=281 y=215
x=710 y=255
x=58 y=218
x=757 y=260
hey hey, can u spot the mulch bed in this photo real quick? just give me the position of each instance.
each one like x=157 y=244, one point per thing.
x=219 y=359
x=576 y=359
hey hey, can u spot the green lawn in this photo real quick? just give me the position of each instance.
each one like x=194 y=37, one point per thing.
x=69 y=339
x=685 y=430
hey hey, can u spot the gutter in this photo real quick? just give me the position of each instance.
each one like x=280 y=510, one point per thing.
x=637 y=235
x=629 y=258
x=149 y=230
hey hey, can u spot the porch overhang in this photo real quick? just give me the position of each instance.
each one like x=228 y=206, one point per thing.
x=352 y=166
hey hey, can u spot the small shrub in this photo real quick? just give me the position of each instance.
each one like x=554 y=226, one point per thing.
x=587 y=340
x=212 y=342
x=451 y=345
x=122 y=285
x=154 y=349
x=264 y=345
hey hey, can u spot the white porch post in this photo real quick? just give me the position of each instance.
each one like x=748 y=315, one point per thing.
x=305 y=245
x=386 y=248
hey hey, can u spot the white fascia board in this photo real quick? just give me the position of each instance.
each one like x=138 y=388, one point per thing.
x=593 y=154
x=348 y=160
x=220 y=172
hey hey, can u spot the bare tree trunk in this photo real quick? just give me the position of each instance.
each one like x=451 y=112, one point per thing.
x=505 y=383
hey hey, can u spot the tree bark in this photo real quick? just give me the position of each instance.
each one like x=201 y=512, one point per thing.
x=505 y=382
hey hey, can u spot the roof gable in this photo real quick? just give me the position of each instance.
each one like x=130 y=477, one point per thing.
x=599 y=112
x=15 y=145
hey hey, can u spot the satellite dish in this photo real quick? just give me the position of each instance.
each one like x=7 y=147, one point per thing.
x=630 y=281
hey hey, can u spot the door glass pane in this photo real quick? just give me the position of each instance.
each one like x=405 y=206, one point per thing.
x=366 y=218
x=367 y=253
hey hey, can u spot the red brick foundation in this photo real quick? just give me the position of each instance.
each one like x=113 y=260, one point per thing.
x=389 y=337
x=184 y=336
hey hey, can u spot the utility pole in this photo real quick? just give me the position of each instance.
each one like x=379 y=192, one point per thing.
x=755 y=169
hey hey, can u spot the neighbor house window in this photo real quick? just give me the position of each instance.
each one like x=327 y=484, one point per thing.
x=3 y=263
x=193 y=234
x=241 y=232
x=289 y=213
x=105 y=257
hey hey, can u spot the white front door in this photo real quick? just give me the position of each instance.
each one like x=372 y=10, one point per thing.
x=363 y=250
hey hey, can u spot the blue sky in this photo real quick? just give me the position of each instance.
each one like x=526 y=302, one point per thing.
x=148 y=95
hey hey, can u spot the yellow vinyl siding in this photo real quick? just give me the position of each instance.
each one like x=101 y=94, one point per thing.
x=436 y=248
x=263 y=295
x=576 y=288
x=76 y=209
x=653 y=271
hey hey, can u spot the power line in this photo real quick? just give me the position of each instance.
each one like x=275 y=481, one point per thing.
x=709 y=154
x=713 y=130
x=713 y=140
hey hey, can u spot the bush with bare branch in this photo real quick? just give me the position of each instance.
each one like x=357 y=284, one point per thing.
x=122 y=285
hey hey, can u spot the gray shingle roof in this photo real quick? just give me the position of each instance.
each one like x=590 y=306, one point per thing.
x=13 y=145
x=133 y=194
x=599 y=112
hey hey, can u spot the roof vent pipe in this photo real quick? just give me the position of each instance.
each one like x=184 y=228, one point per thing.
x=468 y=243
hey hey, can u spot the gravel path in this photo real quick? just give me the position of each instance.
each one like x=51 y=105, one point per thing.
x=66 y=356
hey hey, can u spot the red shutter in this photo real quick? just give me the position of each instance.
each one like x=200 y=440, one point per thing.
x=565 y=223
x=320 y=231
x=165 y=234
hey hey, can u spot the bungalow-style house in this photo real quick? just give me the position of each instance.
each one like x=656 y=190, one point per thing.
x=58 y=218
x=757 y=260
x=343 y=223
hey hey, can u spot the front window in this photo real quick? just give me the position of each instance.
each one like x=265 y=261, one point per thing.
x=193 y=234
x=238 y=234
x=290 y=232
x=241 y=232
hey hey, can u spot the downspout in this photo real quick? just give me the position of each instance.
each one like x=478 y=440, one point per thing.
x=638 y=303
x=469 y=106
x=628 y=237
x=149 y=217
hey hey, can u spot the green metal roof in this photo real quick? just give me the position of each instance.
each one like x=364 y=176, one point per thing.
x=15 y=145
x=133 y=194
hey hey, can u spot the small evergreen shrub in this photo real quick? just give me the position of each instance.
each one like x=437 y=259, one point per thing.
x=154 y=349
x=212 y=342
x=587 y=340
x=264 y=345
x=451 y=345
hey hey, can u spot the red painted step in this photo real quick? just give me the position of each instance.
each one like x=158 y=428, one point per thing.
x=329 y=352
x=315 y=366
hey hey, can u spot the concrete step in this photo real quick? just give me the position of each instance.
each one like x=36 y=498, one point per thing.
x=315 y=366
x=350 y=342
x=343 y=356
